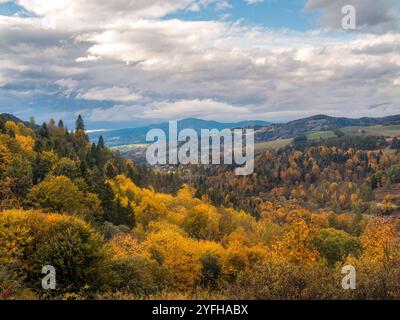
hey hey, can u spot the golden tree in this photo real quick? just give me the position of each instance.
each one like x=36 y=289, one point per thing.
x=296 y=245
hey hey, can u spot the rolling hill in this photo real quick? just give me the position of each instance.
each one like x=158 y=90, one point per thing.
x=9 y=117
x=132 y=136
x=319 y=124
x=131 y=142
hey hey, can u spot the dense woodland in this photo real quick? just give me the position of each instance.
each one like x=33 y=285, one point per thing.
x=342 y=174
x=116 y=230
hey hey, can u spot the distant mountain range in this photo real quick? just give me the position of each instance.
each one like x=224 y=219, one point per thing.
x=130 y=136
x=265 y=131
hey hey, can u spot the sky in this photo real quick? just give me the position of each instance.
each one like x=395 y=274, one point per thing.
x=126 y=63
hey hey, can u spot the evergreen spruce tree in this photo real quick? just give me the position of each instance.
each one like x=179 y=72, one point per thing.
x=110 y=171
x=32 y=123
x=44 y=131
x=2 y=126
x=80 y=131
x=80 y=125
x=101 y=144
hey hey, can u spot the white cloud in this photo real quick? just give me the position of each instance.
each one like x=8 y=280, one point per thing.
x=165 y=110
x=100 y=14
x=372 y=15
x=68 y=86
x=112 y=94
x=88 y=58
x=254 y=1
x=204 y=109
x=122 y=53
x=80 y=14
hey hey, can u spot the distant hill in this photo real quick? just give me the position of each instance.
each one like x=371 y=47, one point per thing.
x=318 y=123
x=9 y=117
x=325 y=121
x=130 y=136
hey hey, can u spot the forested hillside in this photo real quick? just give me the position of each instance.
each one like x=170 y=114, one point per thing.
x=116 y=230
x=320 y=123
x=347 y=174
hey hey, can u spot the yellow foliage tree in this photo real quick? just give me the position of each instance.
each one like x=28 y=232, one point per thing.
x=123 y=246
x=26 y=143
x=202 y=222
x=296 y=245
x=180 y=254
x=381 y=241
x=5 y=157
x=387 y=203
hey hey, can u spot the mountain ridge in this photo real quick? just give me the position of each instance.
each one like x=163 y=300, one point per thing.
x=137 y=135
x=10 y=117
x=265 y=131
x=318 y=123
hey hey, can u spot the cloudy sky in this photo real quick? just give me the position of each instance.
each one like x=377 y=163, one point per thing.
x=131 y=62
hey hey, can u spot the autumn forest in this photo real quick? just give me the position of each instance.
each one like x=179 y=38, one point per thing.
x=115 y=229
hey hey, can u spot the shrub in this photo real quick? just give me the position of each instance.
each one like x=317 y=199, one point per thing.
x=32 y=239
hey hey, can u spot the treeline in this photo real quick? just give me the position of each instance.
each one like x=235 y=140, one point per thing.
x=345 y=142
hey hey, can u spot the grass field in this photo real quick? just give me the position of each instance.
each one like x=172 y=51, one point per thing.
x=321 y=135
x=275 y=145
x=130 y=147
x=387 y=131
